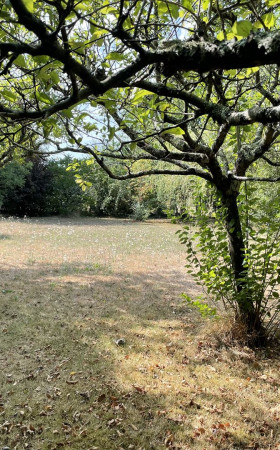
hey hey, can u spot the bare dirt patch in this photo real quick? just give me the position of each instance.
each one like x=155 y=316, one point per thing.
x=99 y=352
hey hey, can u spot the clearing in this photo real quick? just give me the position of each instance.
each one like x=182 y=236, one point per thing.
x=71 y=288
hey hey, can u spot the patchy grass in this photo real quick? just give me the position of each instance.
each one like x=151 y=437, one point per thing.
x=69 y=290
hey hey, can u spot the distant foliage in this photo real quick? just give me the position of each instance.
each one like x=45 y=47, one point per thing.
x=67 y=186
x=146 y=197
x=12 y=177
x=65 y=197
x=172 y=193
x=29 y=195
x=102 y=196
x=140 y=212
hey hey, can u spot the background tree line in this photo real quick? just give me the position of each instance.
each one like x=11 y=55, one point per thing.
x=41 y=187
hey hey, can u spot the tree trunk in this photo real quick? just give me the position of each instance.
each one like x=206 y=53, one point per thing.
x=246 y=308
x=235 y=237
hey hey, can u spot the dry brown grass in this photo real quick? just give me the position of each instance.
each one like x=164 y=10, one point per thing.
x=69 y=290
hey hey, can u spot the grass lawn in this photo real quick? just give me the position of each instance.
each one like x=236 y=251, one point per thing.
x=71 y=290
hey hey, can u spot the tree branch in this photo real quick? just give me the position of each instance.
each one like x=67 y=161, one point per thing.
x=257 y=49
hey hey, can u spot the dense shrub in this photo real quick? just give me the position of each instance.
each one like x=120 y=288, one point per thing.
x=29 y=197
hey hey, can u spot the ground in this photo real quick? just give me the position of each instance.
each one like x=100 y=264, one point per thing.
x=99 y=351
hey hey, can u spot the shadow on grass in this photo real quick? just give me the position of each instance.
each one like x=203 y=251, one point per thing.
x=67 y=384
x=3 y=237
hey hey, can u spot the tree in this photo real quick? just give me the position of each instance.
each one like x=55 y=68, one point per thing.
x=103 y=195
x=65 y=196
x=188 y=87
x=29 y=198
x=12 y=177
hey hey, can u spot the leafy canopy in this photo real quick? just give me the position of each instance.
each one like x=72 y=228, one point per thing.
x=158 y=80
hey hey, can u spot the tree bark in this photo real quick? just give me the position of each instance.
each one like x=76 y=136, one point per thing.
x=235 y=237
x=246 y=313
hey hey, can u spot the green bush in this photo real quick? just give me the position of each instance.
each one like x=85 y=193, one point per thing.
x=140 y=212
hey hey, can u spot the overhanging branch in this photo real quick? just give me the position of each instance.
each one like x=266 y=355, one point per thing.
x=257 y=49
x=219 y=113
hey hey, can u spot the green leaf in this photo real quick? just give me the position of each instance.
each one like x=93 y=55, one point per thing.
x=42 y=97
x=174 y=10
x=205 y=4
x=55 y=77
x=177 y=131
x=269 y=20
x=8 y=95
x=132 y=146
x=115 y=56
x=242 y=28
x=272 y=2
x=42 y=59
x=258 y=25
x=29 y=4
x=232 y=73
x=220 y=36
x=163 y=106
x=78 y=46
x=112 y=131
x=98 y=33
x=162 y=8
x=109 y=10
x=252 y=70
x=230 y=36
x=140 y=95
x=67 y=113
x=187 y=4
x=91 y=127
x=20 y=61
x=43 y=75
x=83 y=6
